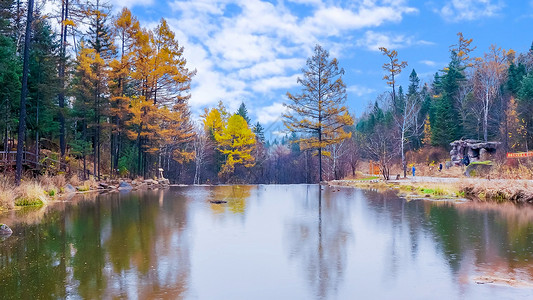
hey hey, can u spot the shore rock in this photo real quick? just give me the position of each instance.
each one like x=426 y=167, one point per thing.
x=69 y=189
x=477 y=170
x=5 y=230
x=164 y=181
x=124 y=186
x=150 y=181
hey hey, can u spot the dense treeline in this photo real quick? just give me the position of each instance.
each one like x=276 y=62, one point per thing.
x=108 y=98
x=486 y=98
x=103 y=90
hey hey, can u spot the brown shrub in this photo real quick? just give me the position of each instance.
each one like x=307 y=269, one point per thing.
x=428 y=155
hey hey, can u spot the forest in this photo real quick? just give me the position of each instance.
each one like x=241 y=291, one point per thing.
x=100 y=96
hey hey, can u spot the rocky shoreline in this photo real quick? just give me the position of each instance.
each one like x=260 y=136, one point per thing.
x=120 y=185
x=39 y=193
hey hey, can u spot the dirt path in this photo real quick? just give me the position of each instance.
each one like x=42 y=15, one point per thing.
x=427 y=179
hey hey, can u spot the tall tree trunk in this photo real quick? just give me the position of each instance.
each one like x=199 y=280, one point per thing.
x=62 y=65
x=320 y=162
x=84 y=130
x=404 y=162
x=24 y=93
x=486 y=116
x=37 y=129
x=98 y=134
x=112 y=151
x=139 y=152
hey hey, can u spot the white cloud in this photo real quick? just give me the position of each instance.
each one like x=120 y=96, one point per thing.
x=274 y=67
x=199 y=7
x=359 y=90
x=252 y=49
x=469 y=10
x=271 y=113
x=269 y=84
x=119 y=4
x=374 y=40
x=333 y=20
x=428 y=63
x=308 y=2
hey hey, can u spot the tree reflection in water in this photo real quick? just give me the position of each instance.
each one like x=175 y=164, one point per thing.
x=475 y=239
x=340 y=243
x=318 y=239
x=233 y=196
x=122 y=246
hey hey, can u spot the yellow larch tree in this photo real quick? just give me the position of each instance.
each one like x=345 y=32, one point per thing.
x=463 y=49
x=125 y=28
x=161 y=114
x=393 y=68
x=214 y=121
x=236 y=142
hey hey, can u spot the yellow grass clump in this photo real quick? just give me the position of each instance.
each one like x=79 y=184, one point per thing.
x=30 y=193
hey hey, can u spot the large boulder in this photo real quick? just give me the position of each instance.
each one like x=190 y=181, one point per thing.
x=124 y=186
x=5 y=230
x=69 y=189
x=478 y=169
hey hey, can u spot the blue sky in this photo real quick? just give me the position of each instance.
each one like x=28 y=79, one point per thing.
x=252 y=51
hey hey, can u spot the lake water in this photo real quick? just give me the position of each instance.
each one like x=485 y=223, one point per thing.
x=267 y=242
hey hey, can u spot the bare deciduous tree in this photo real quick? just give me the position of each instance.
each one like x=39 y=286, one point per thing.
x=382 y=146
x=489 y=75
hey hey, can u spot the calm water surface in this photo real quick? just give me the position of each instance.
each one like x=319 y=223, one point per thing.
x=267 y=242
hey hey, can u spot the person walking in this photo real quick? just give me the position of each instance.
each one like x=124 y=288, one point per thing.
x=440 y=167
x=414 y=171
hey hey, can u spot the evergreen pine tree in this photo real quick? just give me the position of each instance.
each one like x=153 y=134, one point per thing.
x=259 y=132
x=243 y=112
x=10 y=72
x=43 y=83
x=444 y=118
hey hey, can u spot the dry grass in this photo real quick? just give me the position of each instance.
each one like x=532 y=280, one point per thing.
x=513 y=170
x=52 y=184
x=7 y=192
x=30 y=193
x=517 y=191
x=75 y=181
x=358 y=175
x=87 y=185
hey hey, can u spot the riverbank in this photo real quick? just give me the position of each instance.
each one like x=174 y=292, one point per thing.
x=40 y=191
x=498 y=190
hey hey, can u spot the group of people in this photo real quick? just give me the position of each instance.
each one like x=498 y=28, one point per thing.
x=414 y=169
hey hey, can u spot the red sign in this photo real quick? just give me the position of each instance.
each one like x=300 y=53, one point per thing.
x=520 y=154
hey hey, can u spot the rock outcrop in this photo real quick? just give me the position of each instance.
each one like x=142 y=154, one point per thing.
x=473 y=149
